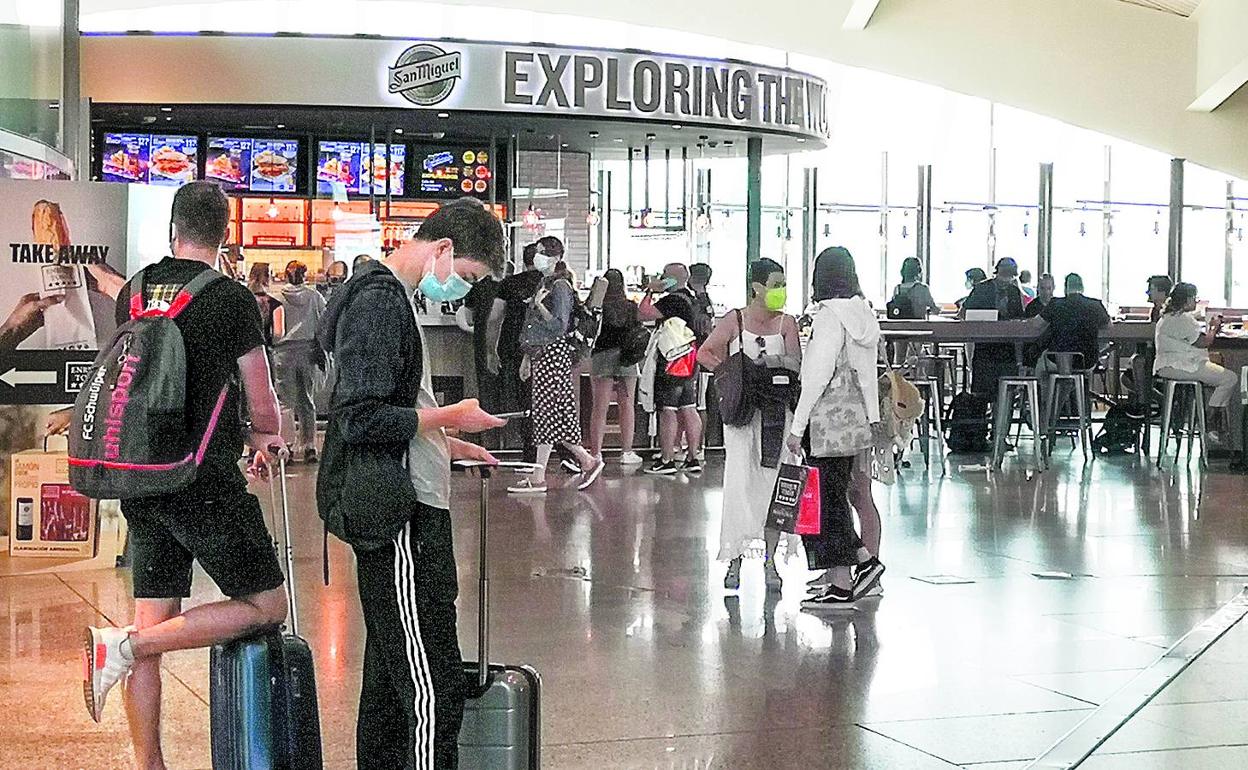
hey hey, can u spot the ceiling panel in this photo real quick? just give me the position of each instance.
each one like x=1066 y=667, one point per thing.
x=1179 y=7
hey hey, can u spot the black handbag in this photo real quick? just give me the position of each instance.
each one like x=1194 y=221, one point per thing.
x=732 y=378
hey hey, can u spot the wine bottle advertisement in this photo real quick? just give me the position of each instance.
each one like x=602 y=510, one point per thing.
x=63 y=260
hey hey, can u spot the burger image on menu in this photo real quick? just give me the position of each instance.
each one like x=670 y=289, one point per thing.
x=270 y=165
x=173 y=164
x=335 y=170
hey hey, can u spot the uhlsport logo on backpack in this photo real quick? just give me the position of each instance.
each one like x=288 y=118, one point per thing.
x=129 y=435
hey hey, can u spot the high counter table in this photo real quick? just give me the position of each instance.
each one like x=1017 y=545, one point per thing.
x=1123 y=334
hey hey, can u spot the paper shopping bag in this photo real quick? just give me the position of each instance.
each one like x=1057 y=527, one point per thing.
x=786 y=497
x=809 y=507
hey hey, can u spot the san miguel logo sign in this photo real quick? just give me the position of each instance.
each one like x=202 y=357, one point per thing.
x=425 y=74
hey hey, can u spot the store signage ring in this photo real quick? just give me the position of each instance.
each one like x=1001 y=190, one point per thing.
x=425 y=74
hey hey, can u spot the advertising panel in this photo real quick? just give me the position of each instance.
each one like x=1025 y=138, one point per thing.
x=453 y=171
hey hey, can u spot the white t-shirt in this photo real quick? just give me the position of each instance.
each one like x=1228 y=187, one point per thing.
x=1176 y=343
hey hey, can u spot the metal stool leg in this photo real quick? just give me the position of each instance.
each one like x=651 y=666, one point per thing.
x=1050 y=419
x=1037 y=440
x=925 y=434
x=1200 y=425
x=1001 y=424
x=1167 y=411
x=940 y=431
x=1081 y=404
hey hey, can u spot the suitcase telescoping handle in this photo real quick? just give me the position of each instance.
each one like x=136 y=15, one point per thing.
x=483 y=598
x=281 y=455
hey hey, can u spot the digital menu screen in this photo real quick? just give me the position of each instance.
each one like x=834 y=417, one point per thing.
x=229 y=162
x=452 y=172
x=126 y=157
x=274 y=164
x=156 y=159
x=254 y=165
x=174 y=160
x=338 y=163
x=378 y=172
x=346 y=163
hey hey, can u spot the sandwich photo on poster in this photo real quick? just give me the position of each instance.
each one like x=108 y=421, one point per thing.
x=64 y=256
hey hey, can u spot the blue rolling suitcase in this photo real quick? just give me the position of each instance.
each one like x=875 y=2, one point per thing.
x=502 y=727
x=263 y=691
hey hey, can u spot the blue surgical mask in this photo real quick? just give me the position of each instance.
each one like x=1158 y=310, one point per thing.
x=669 y=284
x=452 y=289
x=543 y=263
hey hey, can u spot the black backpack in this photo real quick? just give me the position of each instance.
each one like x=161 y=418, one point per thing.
x=901 y=306
x=128 y=436
x=967 y=424
x=1119 y=435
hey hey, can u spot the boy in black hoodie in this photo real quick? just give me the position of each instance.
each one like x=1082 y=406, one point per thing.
x=384 y=484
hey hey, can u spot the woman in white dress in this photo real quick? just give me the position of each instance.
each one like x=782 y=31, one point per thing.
x=752 y=452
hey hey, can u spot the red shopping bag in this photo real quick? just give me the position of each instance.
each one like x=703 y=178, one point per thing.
x=809 y=507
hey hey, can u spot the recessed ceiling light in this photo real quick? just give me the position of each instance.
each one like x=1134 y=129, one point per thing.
x=166 y=109
x=565 y=144
x=618 y=139
x=281 y=125
x=444 y=115
x=168 y=118
x=800 y=139
x=651 y=137
x=676 y=126
x=593 y=134
x=398 y=130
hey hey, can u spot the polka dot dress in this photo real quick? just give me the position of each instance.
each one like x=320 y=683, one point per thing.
x=554 y=404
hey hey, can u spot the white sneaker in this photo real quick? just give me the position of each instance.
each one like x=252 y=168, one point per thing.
x=631 y=458
x=527 y=487
x=104 y=666
x=592 y=474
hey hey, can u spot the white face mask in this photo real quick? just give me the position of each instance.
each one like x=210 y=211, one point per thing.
x=543 y=263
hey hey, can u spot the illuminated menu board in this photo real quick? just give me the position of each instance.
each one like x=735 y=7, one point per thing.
x=346 y=163
x=253 y=165
x=453 y=172
x=156 y=159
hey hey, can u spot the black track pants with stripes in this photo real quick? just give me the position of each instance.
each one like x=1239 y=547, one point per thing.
x=412 y=700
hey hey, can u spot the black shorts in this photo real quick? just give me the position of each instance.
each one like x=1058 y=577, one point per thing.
x=676 y=394
x=227 y=536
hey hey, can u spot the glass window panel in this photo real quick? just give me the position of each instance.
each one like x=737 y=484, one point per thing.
x=1239 y=255
x=1204 y=253
x=1137 y=251
x=959 y=242
x=860 y=233
x=1077 y=246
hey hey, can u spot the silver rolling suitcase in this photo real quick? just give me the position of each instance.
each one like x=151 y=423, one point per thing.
x=502 y=727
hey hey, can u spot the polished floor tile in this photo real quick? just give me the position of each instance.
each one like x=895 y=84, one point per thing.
x=615 y=597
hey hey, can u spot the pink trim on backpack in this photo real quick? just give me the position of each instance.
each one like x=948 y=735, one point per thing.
x=118 y=466
x=212 y=424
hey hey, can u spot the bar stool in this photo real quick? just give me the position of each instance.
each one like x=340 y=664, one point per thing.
x=1027 y=386
x=929 y=388
x=1063 y=372
x=1195 y=422
x=940 y=368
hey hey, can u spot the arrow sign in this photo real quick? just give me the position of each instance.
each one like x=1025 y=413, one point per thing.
x=13 y=378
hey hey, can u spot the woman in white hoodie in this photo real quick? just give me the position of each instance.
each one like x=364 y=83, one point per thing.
x=839 y=363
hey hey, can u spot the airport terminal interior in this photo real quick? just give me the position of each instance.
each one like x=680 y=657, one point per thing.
x=974 y=499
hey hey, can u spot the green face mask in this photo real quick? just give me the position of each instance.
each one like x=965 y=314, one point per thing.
x=776 y=298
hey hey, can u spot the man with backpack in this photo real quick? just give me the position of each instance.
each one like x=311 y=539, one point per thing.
x=213 y=520
x=385 y=484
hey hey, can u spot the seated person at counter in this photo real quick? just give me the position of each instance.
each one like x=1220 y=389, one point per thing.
x=1139 y=377
x=1046 y=289
x=912 y=288
x=992 y=361
x=974 y=277
x=1183 y=354
x=1024 y=285
x=1072 y=324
